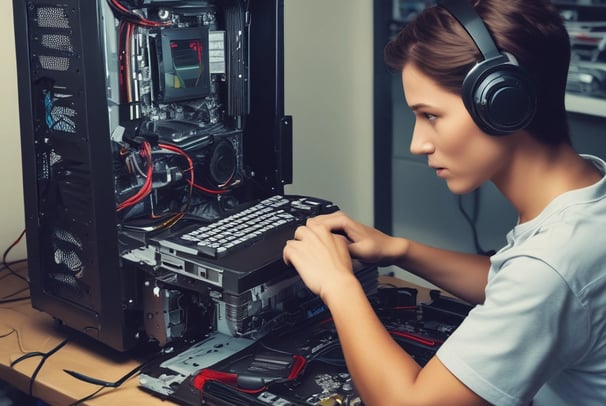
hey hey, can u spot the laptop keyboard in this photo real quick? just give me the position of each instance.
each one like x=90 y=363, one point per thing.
x=244 y=228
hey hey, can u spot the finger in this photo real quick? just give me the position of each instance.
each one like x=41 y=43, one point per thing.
x=344 y=238
x=314 y=233
x=333 y=221
x=318 y=235
x=325 y=234
x=286 y=252
x=291 y=252
x=300 y=233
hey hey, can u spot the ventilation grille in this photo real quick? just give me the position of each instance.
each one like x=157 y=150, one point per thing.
x=60 y=115
x=51 y=62
x=67 y=279
x=68 y=251
x=74 y=190
x=43 y=166
x=58 y=42
x=54 y=158
x=52 y=42
x=52 y=17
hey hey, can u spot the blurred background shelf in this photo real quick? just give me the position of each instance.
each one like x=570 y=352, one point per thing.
x=586 y=105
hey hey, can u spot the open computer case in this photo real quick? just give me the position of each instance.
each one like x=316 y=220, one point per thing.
x=122 y=104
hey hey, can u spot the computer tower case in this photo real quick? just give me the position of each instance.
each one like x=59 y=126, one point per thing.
x=122 y=103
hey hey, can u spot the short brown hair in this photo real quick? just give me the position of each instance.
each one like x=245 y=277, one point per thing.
x=532 y=31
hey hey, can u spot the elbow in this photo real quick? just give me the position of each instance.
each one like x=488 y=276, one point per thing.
x=398 y=396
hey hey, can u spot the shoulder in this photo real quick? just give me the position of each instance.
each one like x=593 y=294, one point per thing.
x=564 y=250
x=565 y=237
x=530 y=323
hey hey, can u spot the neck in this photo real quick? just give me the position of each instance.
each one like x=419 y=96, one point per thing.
x=537 y=174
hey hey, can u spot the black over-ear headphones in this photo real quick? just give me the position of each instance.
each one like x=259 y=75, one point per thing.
x=497 y=92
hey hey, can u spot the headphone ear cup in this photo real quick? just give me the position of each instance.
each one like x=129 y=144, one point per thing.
x=499 y=96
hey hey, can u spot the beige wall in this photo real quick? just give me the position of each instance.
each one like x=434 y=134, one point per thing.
x=328 y=86
x=329 y=93
x=12 y=220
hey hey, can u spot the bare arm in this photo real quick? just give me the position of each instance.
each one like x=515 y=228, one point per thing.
x=463 y=275
x=383 y=373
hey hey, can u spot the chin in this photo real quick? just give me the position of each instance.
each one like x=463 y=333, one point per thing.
x=460 y=188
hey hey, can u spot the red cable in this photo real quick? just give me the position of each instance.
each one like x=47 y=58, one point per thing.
x=147 y=186
x=191 y=165
x=418 y=339
x=140 y=20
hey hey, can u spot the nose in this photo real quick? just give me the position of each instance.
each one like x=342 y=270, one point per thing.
x=420 y=144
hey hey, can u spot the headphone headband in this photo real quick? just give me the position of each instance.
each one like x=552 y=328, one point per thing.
x=473 y=24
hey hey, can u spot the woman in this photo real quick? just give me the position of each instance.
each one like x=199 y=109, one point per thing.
x=538 y=331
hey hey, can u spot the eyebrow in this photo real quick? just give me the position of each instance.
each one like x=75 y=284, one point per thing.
x=417 y=106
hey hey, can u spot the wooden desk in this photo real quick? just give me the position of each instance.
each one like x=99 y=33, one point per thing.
x=24 y=329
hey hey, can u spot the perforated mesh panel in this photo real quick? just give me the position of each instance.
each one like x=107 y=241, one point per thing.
x=51 y=62
x=63 y=119
x=54 y=158
x=52 y=17
x=68 y=251
x=60 y=115
x=67 y=280
x=58 y=42
x=52 y=39
x=56 y=58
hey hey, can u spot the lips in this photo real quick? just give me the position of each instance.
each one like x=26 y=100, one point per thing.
x=440 y=171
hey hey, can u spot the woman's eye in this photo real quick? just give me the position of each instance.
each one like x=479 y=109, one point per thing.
x=429 y=116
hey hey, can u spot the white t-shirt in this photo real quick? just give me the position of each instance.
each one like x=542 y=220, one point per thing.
x=542 y=326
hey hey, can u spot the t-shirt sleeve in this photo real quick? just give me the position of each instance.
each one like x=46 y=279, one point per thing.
x=526 y=330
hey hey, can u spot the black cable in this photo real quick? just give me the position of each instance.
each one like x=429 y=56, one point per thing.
x=472 y=220
x=44 y=356
x=18 y=261
x=13 y=331
x=87 y=397
x=16 y=299
x=7 y=264
x=14 y=294
x=108 y=384
x=10 y=299
x=105 y=384
x=11 y=246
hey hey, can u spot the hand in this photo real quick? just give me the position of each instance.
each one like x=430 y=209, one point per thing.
x=322 y=250
x=365 y=243
x=320 y=256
